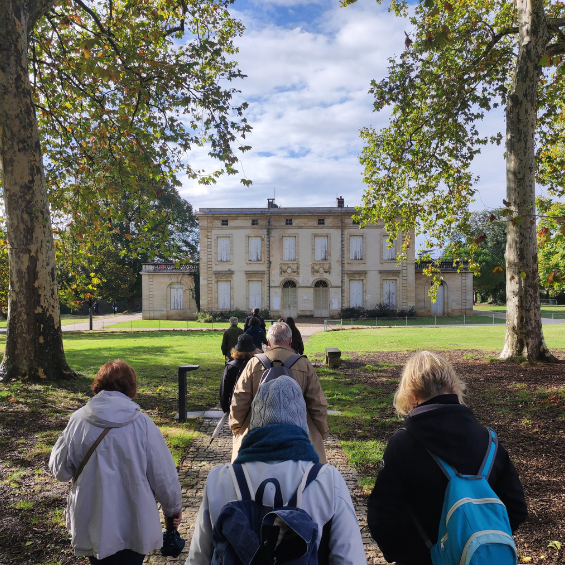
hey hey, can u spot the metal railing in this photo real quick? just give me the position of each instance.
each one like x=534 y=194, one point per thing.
x=170 y=267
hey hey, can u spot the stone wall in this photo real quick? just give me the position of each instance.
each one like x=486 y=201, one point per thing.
x=159 y=302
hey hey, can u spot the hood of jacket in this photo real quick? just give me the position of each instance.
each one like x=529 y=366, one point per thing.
x=444 y=427
x=110 y=409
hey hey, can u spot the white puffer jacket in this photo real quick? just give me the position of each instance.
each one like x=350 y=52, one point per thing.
x=327 y=498
x=112 y=505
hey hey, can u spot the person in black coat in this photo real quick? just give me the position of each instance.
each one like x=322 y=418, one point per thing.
x=259 y=336
x=410 y=483
x=255 y=314
x=241 y=353
x=297 y=343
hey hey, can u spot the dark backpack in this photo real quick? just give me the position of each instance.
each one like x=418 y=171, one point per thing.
x=271 y=372
x=249 y=533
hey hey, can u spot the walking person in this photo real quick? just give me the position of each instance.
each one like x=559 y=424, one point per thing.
x=279 y=339
x=115 y=307
x=254 y=314
x=111 y=510
x=297 y=344
x=409 y=491
x=229 y=339
x=240 y=355
x=258 y=335
x=275 y=459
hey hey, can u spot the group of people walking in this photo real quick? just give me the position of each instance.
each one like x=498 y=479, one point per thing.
x=279 y=500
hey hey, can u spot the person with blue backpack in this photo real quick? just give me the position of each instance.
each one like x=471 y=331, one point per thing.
x=276 y=503
x=446 y=492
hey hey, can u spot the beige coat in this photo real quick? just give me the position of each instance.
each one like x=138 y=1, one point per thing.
x=305 y=376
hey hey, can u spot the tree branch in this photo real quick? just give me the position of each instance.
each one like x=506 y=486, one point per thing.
x=557 y=48
x=555 y=23
x=35 y=9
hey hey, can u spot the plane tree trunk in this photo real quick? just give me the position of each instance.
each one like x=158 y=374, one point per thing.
x=34 y=344
x=524 y=335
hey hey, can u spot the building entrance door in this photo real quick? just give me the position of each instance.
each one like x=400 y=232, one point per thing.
x=289 y=300
x=437 y=306
x=321 y=300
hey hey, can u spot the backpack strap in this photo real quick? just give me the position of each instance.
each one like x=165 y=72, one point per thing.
x=265 y=361
x=240 y=482
x=278 y=494
x=292 y=360
x=490 y=455
x=310 y=475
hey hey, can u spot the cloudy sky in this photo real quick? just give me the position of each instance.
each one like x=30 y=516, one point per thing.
x=309 y=66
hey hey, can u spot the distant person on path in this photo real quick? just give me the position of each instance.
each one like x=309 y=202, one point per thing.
x=279 y=338
x=255 y=314
x=95 y=307
x=297 y=343
x=277 y=447
x=258 y=335
x=243 y=351
x=111 y=510
x=115 y=307
x=411 y=481
x=229 y=340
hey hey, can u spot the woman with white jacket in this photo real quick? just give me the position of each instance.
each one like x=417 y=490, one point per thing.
x=111 y=510
x=277 y=446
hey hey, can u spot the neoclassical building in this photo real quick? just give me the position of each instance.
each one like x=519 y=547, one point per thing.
x=298 y=262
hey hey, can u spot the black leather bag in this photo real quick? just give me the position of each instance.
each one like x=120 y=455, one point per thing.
x=173 y=544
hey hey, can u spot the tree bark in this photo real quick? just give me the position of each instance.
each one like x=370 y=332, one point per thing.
x=524 y=335
x=34 y=344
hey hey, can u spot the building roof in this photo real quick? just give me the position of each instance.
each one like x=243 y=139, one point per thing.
x=278 y=210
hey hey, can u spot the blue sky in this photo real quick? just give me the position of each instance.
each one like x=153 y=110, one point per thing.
x=309 y=67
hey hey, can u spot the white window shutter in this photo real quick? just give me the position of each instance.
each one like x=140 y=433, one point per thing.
x=321 y=248
x=356 y=294
x=389 y=253
x=356 y=247
x=224 y=252
x=224 y=295
x=176 y=296
x=289 y=248
x=255 y=249
x=255 y=294
x=389 y=291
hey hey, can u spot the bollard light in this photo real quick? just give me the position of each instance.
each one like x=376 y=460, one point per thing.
x=183 y=369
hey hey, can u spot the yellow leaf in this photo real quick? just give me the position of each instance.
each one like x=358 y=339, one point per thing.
x=526 y=559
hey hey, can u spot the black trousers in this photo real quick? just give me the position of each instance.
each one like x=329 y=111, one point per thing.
x=124 y=557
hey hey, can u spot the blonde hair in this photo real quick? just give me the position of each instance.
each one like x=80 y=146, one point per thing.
x=426 y=375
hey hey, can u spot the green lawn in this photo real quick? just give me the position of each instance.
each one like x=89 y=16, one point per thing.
x=413 y=339
x=418 y=321
x=547 y=310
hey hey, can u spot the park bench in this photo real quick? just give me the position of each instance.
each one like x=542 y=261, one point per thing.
x=333 y=357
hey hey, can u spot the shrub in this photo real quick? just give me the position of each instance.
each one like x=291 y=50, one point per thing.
x=225 y=315
x=380 y=311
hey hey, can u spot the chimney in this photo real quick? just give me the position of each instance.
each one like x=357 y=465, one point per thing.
x=271 y=203
x=340 y=202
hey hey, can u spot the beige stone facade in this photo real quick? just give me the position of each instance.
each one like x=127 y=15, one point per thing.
x=168 y=291
x=298 y=262
x=455 y=295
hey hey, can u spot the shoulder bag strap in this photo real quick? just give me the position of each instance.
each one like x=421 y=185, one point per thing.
x=490 y=455
x=89 y=454
x=265 y=361
x=290 y=361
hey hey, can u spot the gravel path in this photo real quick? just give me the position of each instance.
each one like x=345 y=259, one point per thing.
x=201 y=457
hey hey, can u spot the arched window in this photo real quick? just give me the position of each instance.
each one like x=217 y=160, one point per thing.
x=289 y=284
x=320 y=284
x=177 y=290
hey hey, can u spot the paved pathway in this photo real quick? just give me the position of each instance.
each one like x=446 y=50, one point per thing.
x=101 y=322
x=201 y=457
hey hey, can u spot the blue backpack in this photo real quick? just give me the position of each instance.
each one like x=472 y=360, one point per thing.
x=474 y=528
x=248 y=533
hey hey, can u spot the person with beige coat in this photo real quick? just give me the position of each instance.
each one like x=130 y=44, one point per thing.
x=279 y=337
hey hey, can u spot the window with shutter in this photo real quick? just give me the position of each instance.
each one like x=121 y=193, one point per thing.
x=255 y=294
x=224 y=295
x=389 y=253
x=289 y=248
x=321 y=248
x=255 y=249
x=356 y=294
x=356 y=247
x=224 y=253
x=176 y=296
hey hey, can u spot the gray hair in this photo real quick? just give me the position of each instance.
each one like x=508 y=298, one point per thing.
x=234 y=321
x=279 y=333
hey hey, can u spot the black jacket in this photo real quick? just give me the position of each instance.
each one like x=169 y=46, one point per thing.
x=232 y=370
x=258 y=335
x=297 y=343
x=409 y=476
x=262 y=324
